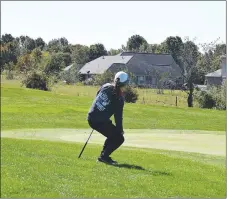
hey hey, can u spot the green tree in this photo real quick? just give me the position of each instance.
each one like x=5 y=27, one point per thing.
x=40 y=43
x=71 y=76
x=188 y=63
x=210 y=60
x=9 y=53
x=57 y=45
x=186 y=55
x=29 y=43
x=6 y=38
x=25 y=63
x=37 y=55
x=135 y=42
x=55 y=65
x=174 y=46
x=66 y=58
x=80 y=54
x=114 y=51
x=9 y=67
x=96 y=50
x=220 y=49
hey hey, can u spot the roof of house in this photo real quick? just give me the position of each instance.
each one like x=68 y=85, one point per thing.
x=216 y=73
x=152 y=58
x=142 y=63
x=138 y=63
x=101 y=64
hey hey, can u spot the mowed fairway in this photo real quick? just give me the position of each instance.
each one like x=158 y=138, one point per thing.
x=168 y=152
x=189 y=141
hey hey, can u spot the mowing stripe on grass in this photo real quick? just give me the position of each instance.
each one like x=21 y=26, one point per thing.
x=188 y=141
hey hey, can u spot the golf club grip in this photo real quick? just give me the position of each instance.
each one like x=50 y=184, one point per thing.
x=85 y=143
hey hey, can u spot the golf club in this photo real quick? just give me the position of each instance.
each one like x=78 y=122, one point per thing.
x=85 y=143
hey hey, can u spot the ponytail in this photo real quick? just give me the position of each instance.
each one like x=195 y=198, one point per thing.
x=117 y=87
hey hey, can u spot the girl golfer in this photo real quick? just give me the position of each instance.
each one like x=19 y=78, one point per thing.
x=109 y=101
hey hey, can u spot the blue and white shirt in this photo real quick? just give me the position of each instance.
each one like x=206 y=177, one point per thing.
x=106 y=104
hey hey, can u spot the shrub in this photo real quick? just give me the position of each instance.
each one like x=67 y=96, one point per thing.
x=106 y=77
x=205 y=99
x=71 y=76
x=36 y=80
x=9 y=67
x=213 y=97
x=130 y=94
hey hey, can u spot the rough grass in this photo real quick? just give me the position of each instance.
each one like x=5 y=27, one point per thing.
x=146 y=96
x=50 y=169
x=27 y=108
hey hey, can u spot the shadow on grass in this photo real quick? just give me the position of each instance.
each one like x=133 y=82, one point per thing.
x=152 y=172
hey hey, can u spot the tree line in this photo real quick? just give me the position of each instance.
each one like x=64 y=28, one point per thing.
x=25 y=55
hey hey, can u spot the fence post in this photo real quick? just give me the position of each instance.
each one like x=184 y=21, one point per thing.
x=176 y=100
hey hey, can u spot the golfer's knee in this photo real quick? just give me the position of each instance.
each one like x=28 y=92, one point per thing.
x=121 y=139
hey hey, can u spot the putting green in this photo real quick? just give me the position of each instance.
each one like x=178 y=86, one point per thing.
x=206 y=142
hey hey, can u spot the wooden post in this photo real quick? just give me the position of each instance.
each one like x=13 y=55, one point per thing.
x=176 y=100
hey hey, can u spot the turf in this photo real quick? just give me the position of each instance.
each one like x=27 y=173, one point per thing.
x=51 y=169
x=34 y=168
x=189 y=141
x=26 y=108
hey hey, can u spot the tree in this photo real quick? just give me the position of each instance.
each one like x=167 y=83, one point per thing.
x=25 y=63
x=134 y=43
x=114 y=51
x=66 y=58
x=9 y=68
x=6 y=38
x=188 y=63
x=71 y=76
x=220 y=49
x=186 y=55
x=174 y=46
x=67 y=49
x=37 y=55
x=58 y=45
x=55 y=65
x=29 y=43
x=40 y=43
x=210 y=60
x=80 y=54
x=64 y=41
x=9 y=53
x=96 y=50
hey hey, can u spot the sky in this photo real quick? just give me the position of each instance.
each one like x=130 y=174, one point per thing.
x=112 y=23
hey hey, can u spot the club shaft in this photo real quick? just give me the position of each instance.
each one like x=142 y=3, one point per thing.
x=85 y=144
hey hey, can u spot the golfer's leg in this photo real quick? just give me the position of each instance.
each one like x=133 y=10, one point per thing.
x=113 y=141
x=105 y=129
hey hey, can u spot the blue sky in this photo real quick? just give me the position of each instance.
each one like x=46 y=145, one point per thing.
x=112 y=23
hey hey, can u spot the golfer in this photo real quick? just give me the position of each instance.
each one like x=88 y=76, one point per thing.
x=109 y=101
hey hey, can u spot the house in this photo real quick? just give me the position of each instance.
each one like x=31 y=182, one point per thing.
x=217 y=77
x=147 y=68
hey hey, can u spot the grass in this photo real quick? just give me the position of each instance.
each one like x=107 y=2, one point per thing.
x=50 y=169
x=34 y=168
x=27 y=108
x=146 y=96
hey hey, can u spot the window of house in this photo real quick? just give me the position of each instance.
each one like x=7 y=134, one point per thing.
x=141 y=78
